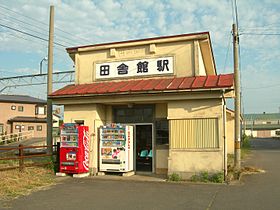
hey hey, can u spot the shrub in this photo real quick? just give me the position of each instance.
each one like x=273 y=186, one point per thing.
x=245 y=141
x=204 y=176
x=174 y=177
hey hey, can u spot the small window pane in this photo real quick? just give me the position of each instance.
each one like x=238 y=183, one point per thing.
x=13 y=107
x=20 y=108
x=30 y=128
x=39 y=128
x=162 y=132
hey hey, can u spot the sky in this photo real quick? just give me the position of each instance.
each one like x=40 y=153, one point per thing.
x=87 y=22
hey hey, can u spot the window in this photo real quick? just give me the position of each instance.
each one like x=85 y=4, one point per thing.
x=39 y=127
x=30 y=128
x=135 y=114
x=80 y=122
x=40 y=110
x=13 y=107
x=22 y=127
x=1 y=128
x=17 y=127
x=20 y=108
x=162 y=132
x=194 y=133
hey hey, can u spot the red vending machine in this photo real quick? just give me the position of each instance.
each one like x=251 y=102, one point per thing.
x=74 y=148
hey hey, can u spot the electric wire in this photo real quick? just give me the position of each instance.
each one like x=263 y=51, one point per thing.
x=236 y=14
x=35 y=20
x=29 y=34
x=260 y=34
x=228 y=47
x=34 y=26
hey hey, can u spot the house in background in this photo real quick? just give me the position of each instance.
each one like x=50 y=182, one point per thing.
x=23 y=114
x=262 y=125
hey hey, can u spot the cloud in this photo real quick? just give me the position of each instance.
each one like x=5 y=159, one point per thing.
x=91 y=21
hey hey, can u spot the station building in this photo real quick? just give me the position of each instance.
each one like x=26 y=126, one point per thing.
x=167 y=87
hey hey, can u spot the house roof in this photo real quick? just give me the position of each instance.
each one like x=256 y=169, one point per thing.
x=21 y=99
x=264 y=116
x=28 y=119
x=171 y=84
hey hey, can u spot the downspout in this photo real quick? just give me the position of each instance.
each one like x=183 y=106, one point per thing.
x=224 y=135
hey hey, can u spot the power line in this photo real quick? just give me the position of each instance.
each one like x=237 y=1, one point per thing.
x=232 y=11
x=260 y=34
x=32 y=25
x=26 y=33
x=33 y=19
x=236 y=13
x=268 y=86
x=229 y=38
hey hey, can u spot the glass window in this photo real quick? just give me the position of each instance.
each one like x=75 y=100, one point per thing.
x=20 y=108
x=40 y=110
x=1 y=128
x=30 y=128
x=13 y=107
x=135 y=114
x=162 y=132
x=17 y=127
x=39 y=127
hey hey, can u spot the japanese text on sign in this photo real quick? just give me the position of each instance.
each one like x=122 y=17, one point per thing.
x=143 y=67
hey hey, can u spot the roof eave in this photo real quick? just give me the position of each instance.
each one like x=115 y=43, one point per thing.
x=142 y=92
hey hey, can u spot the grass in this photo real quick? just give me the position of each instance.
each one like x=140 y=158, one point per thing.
x=245 y=147
x=14 y=183
x=234 y=174
x=204 y=176
x=174 y=177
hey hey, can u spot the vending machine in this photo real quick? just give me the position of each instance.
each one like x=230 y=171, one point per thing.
x=116 y=148
x=74 y=148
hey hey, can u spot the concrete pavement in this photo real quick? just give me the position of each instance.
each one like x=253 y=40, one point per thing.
x=260 y=191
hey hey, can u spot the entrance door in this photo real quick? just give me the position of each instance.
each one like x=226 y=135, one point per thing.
x=144 y=148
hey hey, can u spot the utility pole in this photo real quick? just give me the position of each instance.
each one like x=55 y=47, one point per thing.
x=237 y=151
x=49 y=84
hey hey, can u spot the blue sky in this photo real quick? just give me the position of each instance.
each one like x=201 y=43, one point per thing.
x=87 y=22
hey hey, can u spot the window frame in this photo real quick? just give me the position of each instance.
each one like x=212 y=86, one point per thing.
x=39 y=126
x=161 y=129
x=20 y=108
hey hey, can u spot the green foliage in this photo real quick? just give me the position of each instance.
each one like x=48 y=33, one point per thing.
x=204 y=176
x=246 y=141
x=174 y=177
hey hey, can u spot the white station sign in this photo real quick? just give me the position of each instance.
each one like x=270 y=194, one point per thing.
x=134 y=68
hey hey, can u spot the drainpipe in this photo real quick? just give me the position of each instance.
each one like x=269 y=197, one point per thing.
x=224 y=134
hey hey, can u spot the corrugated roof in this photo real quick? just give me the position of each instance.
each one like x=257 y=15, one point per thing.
x=263 y=127
x=21 y=99
x=264 y=116
x=147 y=85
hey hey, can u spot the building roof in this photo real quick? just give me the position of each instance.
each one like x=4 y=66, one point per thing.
x=28 y=119
x=264 y=116
x=21 y=99
x=171 y=84
x=73 y=49
x=263 y=127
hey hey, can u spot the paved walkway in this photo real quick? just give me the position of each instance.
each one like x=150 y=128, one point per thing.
x=261 y=191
